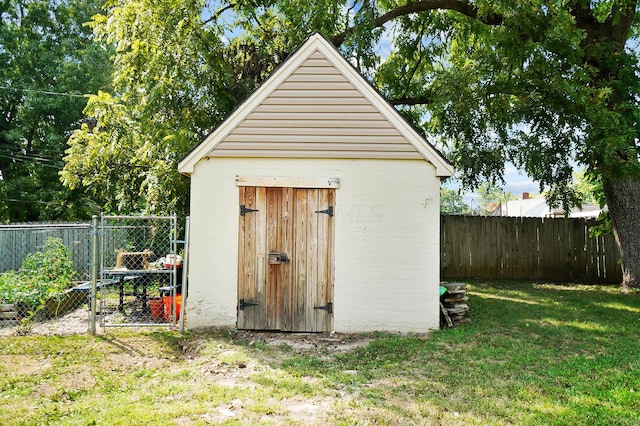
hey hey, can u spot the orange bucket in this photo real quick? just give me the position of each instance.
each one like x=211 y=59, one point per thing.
x=156 y=307
x=168 y=304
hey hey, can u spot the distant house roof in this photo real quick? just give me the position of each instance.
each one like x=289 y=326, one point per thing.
x=538 y=207
x=316 y=105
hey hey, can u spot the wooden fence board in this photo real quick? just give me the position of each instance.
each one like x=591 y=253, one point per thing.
x=526 y=248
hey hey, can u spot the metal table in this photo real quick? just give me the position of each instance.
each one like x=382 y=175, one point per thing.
x=139 y=278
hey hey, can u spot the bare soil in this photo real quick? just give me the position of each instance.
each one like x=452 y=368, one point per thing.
x=74 y=322
x=211 y=369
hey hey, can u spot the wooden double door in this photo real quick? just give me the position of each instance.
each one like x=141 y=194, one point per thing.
x=285 y=259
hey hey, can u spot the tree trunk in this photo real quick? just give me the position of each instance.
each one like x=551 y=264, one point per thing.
x=623 y=200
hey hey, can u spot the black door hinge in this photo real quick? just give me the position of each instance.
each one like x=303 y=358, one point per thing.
x=328 y=307
x=244 y=210
x=328 y=210
x=244 y=304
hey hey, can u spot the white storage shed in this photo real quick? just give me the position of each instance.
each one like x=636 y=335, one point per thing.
x=314 y=208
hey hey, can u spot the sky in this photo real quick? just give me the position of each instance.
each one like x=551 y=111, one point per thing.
x=516 y=182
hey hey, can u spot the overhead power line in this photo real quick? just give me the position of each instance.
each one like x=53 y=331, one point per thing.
x=42 y=92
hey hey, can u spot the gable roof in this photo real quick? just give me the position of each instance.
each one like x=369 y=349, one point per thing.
x=316 y=105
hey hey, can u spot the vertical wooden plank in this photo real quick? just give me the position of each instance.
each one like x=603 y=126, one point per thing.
x=322 y=318
x=447 y=247
x=246 y=258
x=499 y=236
x=464 y=262
x=559 y=254
x=507 y=236
x=518 y=264
x=530 y=235
x=568 y=250
x=591 y=272
x=285 y=272
x=566 y=241
x=545 y=247
x=330 y=236
x=498 y=233
x=549 y=249
x=273 y=302
x=511 y=230
x=444 y=248
x=579 y=229
x=261 y=259
x=300 y=268
x=312 y=258
x=478 y=257
x=242 y=270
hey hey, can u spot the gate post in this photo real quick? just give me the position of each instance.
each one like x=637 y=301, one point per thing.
x=94 y=273
x=185 y=274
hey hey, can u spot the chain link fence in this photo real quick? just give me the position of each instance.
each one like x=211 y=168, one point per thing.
x=132 y=268
x=39 y=266
x=141 y=271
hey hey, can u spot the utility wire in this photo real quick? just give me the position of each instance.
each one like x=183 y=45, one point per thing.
x=50 y=203
x=31 y=155
x=19 y=154
x=43 y=92
x=23 y=160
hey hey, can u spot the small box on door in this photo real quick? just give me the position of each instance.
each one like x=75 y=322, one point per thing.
x=276 y=258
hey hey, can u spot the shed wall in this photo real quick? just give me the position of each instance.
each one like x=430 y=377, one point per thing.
x=386 y=240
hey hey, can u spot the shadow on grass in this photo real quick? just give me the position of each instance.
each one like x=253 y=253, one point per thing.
x=534 y=354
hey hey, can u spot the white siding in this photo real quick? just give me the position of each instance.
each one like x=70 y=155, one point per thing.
x=315 y=112
x=386 y=240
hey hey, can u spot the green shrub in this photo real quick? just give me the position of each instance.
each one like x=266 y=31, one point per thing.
x=9 y=287
x=43 y=276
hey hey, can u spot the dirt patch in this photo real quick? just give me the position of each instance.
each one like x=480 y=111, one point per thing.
x=316 y=344
x=232 y=359
x=23 y=364
x=74 y=322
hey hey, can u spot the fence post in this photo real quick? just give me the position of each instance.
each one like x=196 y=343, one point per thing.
x=94 y=273
x=185 y=273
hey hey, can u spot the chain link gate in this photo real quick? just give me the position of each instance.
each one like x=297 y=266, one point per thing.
x=140 y=273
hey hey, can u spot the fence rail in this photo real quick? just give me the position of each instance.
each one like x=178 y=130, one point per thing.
x=526 y=248
x=19 y=240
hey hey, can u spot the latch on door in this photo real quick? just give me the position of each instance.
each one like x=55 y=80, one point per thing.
x=276 y=257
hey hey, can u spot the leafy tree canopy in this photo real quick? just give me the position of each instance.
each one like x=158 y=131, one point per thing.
x=491 y=196
x=48 y=61
x=451 y=202
x=544 y=84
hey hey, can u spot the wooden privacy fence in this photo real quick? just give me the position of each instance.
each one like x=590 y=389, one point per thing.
x=19 y=240
x=526 y=248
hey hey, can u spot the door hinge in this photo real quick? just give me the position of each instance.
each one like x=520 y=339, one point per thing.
x=244 y=304
x=328 y=307
x=328 y=210
x=244 y=210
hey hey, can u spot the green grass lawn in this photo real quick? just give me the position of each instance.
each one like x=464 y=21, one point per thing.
x=533 y=354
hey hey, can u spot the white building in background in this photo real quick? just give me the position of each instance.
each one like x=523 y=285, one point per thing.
x=538 y=207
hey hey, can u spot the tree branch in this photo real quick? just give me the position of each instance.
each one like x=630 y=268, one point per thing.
x=411 y=100
x=615 y=28
x=459 y=6
x=219 y=12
